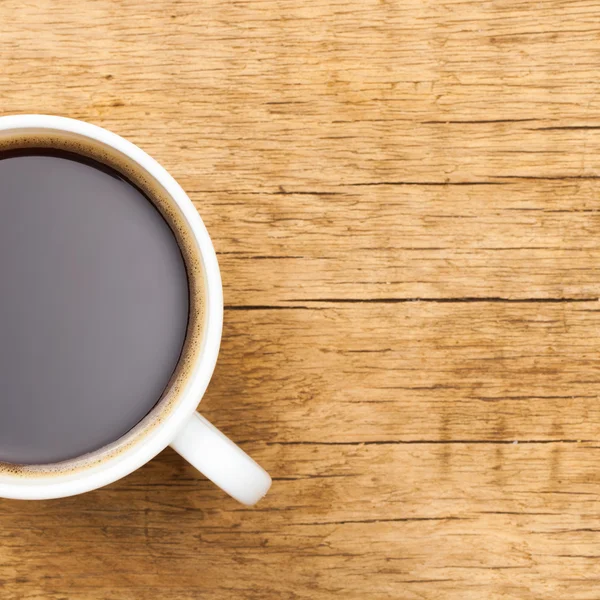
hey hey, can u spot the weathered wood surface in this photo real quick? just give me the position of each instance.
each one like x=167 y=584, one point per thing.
x=404 y=198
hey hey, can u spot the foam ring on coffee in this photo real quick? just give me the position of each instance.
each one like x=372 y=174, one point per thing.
x=192 y=346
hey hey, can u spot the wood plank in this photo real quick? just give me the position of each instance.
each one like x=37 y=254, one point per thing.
x=409 y=371
x=528 y=239
x=437 y=59
x=492 y=519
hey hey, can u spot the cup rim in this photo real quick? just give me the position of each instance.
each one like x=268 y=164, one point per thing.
x=114 y=467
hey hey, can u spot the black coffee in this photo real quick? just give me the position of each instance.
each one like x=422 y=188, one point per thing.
x=93 y=306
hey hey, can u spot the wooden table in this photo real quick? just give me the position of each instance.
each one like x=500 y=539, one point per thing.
x=404 y=197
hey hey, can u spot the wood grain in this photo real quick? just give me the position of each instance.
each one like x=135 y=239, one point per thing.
x=404 y=200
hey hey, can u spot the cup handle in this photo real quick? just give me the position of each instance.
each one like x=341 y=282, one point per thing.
x=221 y=461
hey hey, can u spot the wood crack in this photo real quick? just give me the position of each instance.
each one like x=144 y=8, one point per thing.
x=430 y=183
x=396 y=520
x=431 y=441
x=465 y=300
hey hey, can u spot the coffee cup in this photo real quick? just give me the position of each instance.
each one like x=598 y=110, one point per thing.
x=172 y=419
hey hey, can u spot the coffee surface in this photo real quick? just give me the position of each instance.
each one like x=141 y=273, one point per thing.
x=93 y=306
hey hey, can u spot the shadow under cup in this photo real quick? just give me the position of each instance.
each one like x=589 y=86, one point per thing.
x=89 y=148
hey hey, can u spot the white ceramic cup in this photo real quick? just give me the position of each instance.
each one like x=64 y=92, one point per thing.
x=181 y=427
